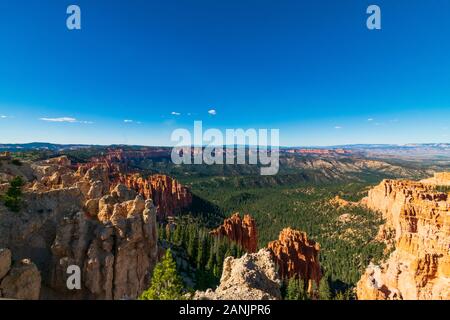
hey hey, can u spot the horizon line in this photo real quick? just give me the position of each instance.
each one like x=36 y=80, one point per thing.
x=409 y=144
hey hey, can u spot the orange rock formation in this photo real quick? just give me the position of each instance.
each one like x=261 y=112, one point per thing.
x=168 y=194
x=242 y=231
x=98 y=178
x=439 y=178
x=297 y=256
x=418 y=225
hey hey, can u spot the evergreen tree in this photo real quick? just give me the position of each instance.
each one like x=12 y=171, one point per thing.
x=324 y=289
x=163 y=235
x=212 y=257
x=340 y=296
x=202 y=253
x=166 y=284
x=296 y=290
x=13 y=197
x=192 y=246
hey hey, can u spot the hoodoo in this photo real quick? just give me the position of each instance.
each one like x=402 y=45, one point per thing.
x=242 y=231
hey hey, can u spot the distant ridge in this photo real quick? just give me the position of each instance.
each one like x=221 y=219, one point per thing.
x=411 y=149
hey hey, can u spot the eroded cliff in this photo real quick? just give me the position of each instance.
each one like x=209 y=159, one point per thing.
x=297 y=256
x=418 y=227
x=242 y=231
x=82 y=216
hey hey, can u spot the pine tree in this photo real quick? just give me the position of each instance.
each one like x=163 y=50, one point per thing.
x=202 y=253
x=192 y=246
x=212 y=257
x=178 y=235
x=340 y=296
x=166 y=284
x=296 y=290
x=163 y=232
x=13 y=197
x=324 y=289
x=292 y=291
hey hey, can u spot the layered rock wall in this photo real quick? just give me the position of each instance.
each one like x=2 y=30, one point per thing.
x=418 y=225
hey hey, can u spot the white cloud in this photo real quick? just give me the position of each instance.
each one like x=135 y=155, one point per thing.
x=65 y=119
x=212 y=112
x=370 y=119
x=175 y=113
x=3 y=116
x=338 y=127
x=62 y=119
x=131 y=121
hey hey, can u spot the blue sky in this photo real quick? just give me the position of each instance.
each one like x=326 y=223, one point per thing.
x=309 y=68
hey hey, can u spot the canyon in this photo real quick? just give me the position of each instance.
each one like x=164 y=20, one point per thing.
x=102 y=215
x=417 y=229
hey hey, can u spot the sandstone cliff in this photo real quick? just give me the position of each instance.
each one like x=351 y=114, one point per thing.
x=99 y=177
x=79 y=215
x=242 y=231
x=439 y=179
x=297 y=256
x=418 y=226
x=251 y=277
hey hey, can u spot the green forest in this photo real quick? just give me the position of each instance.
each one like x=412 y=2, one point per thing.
x=347 y=245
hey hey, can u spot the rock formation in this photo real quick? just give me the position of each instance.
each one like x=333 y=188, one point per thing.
x=439 y=179
x=79 y=215
x=418 y=226
x=116 y=257
x=168 y=195
x=98 y=178
x=251 y=277
x=297 y=256
x=242 y=231
x=21 y=280
x=339 y=203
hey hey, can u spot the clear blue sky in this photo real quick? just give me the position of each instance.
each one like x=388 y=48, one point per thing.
x=310 y=68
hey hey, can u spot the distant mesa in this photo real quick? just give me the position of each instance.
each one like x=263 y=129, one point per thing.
x=318 y=151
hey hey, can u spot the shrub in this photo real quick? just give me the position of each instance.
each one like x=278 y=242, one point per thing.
x=13 y=197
